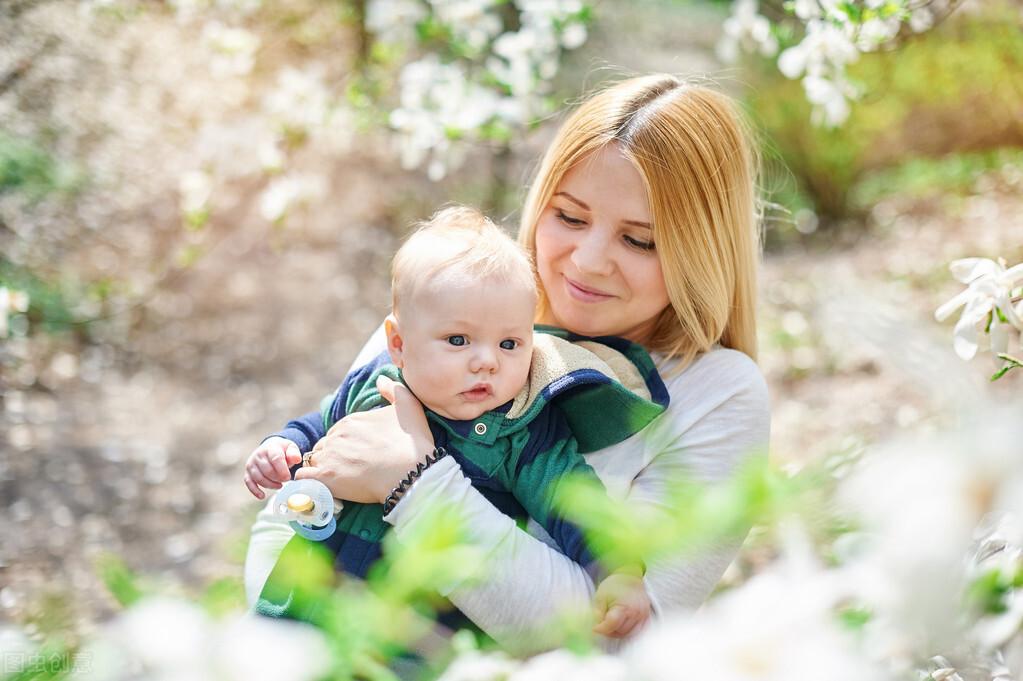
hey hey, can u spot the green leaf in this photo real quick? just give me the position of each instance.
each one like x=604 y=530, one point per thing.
x=854 y=618
x=1010 y=364
x=121 y=582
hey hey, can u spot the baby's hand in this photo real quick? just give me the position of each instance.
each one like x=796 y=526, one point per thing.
x=622 y=605
x=268 y=465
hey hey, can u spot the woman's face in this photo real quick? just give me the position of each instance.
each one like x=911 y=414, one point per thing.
x=595 y=251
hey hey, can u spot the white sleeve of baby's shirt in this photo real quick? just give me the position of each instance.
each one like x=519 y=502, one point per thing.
x=271 y=533
x=719 y=413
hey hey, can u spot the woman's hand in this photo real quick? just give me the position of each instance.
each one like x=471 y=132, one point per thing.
x=366 y=454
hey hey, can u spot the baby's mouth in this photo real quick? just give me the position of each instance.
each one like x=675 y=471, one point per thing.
x=477 y=393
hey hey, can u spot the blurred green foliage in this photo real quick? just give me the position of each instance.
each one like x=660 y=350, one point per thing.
x=28 y=169
x=953 y=90
x=925 y=177
x=49 y=306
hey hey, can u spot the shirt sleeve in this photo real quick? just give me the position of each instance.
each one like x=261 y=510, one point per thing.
x=718 y=416
x=535 y=477
x=732 y=424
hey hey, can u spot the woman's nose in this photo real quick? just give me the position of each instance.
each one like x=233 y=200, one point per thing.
x=590 y=254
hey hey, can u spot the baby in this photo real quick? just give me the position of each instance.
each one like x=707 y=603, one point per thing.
x=461 y=338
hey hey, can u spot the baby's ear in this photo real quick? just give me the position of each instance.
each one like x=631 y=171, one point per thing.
x=395 y=344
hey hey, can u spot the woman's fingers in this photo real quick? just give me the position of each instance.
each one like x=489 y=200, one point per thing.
x=385 y=386
x=307 y=472
x=409 y=410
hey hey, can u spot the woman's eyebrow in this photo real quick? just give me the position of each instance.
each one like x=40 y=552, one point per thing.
x=581 y=204
x=574 y=200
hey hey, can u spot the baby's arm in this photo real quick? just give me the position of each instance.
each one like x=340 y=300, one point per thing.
x=268 y=465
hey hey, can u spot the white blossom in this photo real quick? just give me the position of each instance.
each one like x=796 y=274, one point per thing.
x=165 y=640
x=562 y=665
x=990 y=287
x=875 y=32
x=919 y=502
x=10 y=301
x=196 y=189
x=748 y=29
x=474 y=665
x=921 y=19
x=807 y=9
x=394 y=21
x=776 y=627
x=300 y=101
x=573 y=36
x=233 y=50
x=471 y=21
x=287 y=192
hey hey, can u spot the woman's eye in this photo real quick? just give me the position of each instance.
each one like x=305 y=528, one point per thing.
x=569 y=220
x=508 y=345
x=638 y=243
x=457 y=340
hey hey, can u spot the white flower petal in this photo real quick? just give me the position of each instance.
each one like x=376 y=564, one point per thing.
x=968 y=269
x=964 y=339
x=946 y=310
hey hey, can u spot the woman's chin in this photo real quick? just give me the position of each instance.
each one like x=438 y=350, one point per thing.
x=585 y=323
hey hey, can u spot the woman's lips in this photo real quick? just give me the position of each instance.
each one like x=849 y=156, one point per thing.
x=585 y=294
x=477 y=393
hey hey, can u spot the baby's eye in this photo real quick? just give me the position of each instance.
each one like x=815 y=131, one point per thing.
x=457 y=340
x=509 y=344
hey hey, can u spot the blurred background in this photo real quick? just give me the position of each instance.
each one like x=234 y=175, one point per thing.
x=199 y=202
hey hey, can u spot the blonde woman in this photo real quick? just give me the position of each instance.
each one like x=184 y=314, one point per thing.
x=642 y=221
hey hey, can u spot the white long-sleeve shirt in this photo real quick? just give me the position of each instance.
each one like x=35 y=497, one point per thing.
x=718 y=415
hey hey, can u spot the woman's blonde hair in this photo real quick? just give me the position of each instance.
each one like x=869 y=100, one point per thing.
x=696 y=159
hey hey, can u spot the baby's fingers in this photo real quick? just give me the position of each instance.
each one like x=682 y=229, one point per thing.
x=253 y=487
x=257 y=471
x=613 y=619
x=277 y=459
x=262 y=467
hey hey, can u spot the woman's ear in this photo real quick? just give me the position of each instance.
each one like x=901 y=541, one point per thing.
x=395 y=344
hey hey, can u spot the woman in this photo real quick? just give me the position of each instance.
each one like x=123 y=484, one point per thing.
x=642 y=221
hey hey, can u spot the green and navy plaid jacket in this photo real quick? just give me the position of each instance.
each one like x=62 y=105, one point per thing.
x=583 y=394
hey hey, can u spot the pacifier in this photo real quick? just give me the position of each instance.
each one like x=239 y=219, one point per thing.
x=309 y=508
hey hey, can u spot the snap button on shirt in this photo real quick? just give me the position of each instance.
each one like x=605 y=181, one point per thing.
x=481 y=429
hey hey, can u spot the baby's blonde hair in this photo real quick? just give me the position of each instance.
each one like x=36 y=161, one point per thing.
x=457 y=244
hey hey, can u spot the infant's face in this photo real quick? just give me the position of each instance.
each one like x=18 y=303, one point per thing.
x=466 y=349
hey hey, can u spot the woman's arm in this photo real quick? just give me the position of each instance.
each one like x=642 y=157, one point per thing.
x=722 y=410
x=719 y=415
x=527 y=584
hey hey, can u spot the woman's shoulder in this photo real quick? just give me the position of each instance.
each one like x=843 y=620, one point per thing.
x=717 y=370
x=722 y=381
